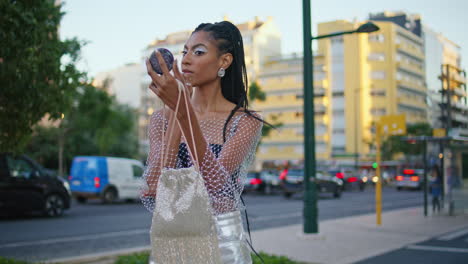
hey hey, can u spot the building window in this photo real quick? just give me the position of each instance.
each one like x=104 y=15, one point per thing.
x=378 y=111
x=377 y=75
x=377 y=92
x=376 y=38
x=299 y=149
x=338 y=131
x=376 y=56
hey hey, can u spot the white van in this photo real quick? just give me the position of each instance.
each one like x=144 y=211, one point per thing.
x=105 y=178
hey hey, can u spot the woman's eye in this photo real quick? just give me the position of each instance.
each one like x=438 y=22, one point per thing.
x=198 y=52
x=184 y=52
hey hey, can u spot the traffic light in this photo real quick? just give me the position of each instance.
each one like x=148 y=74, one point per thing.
x=375 y=165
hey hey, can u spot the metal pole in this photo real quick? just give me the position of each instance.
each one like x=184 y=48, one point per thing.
x=441 y=171
x=424 y=142
x=310 y=196
x=378 y=185
x=356 y=123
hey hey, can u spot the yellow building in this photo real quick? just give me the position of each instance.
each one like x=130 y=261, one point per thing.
x=261 y=38
x=357 y=79
x=282 y=80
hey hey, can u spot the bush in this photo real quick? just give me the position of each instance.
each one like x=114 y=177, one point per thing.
x=11 y=261
x=143 y=257
x=272 y=259
x=137 y=258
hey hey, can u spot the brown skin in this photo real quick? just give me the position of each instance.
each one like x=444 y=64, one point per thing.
x=200 y=65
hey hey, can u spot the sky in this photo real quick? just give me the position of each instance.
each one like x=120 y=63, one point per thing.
x=117 y=31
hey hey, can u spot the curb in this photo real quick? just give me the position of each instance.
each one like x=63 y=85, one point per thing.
x=101 y=258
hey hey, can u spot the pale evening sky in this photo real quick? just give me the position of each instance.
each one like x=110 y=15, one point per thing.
x=118 y=30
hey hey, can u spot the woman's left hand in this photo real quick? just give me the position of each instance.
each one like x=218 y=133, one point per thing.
x=165 y=86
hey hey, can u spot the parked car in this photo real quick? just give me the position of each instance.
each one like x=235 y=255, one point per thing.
x=105 y=178
x=271 y=180
x=253 y=182
x=325 y=183
x=350 y=179
x=410 y=179
x=25 y=186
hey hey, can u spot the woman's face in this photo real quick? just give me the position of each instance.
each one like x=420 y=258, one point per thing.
x=201 y=60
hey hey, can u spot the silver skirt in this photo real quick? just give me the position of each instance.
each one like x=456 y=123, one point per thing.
x=232 y=239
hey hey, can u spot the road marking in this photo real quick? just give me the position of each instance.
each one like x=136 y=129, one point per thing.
x=269 y=218
x=75 y=238
x=454 y=235
x=443 y=249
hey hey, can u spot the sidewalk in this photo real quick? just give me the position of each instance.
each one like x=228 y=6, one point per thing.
x=351 y=239
x=340 y=241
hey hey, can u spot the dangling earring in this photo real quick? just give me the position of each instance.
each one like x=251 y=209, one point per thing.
x=221 y=72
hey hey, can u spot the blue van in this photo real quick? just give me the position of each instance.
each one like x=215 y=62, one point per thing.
x=105 y=178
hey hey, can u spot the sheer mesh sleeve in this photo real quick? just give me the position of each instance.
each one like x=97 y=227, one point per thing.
x=225 y=162
x=225 y=172
x=159 y=122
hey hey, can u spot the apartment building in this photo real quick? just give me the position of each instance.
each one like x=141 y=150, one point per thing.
x=357 y=79
x=282 y=80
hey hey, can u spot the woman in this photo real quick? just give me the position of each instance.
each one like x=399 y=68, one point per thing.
x=215 y=126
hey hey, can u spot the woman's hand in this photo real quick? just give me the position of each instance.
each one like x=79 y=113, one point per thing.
x=166 y=86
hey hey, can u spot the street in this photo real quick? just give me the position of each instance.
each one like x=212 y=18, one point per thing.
x=95 y=227
x=448 y=248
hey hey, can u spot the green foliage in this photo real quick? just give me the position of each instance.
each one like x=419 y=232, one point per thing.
x=37 y=72
x=11 y=261
x=272 y=259
x=142 y=258
x=137 y=258
x=94 y=125
x=393 y=144
x=256 y=93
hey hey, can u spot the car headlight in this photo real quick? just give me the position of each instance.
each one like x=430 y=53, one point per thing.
x=67 y=186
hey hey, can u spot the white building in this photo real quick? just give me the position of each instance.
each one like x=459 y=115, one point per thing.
x=123 y=83
x=438 y=51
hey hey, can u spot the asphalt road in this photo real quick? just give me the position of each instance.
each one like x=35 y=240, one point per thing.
x=451 y=248
x=96 y=228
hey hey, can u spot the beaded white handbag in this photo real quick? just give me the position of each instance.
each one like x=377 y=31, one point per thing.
x=183 y=227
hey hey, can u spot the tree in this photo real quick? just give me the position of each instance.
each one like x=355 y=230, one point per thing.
x=96 y=124
x=37 y=72
x=393 y=144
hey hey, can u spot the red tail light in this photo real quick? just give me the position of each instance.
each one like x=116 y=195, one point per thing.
x=97 y=182
x=399 y=178
x=408 y=171
x=255 y=181
x=414 y=178
x=352 y=179
x=339 y=175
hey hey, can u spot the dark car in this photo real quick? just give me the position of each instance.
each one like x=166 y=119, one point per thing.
x=325 y=183
x=410 y=179
x=25 y=186
x=350 y=179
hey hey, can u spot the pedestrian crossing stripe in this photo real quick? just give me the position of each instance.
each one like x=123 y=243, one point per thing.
x=442 y=249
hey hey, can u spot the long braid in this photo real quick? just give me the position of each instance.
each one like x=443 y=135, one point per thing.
x=234 y=84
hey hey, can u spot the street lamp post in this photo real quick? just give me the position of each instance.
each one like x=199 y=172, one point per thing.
x=310 y=194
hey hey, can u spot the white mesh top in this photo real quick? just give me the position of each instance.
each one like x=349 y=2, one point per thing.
x=225 y=161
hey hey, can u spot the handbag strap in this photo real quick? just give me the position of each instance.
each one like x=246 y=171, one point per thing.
x=194 y=155
x=169 y=126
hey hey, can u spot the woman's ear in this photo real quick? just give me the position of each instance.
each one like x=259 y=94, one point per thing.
x=226 y=60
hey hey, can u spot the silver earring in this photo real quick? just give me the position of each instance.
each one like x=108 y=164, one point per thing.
x=221 y=72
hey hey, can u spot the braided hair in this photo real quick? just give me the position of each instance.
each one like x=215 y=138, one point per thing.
x=234 y=84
